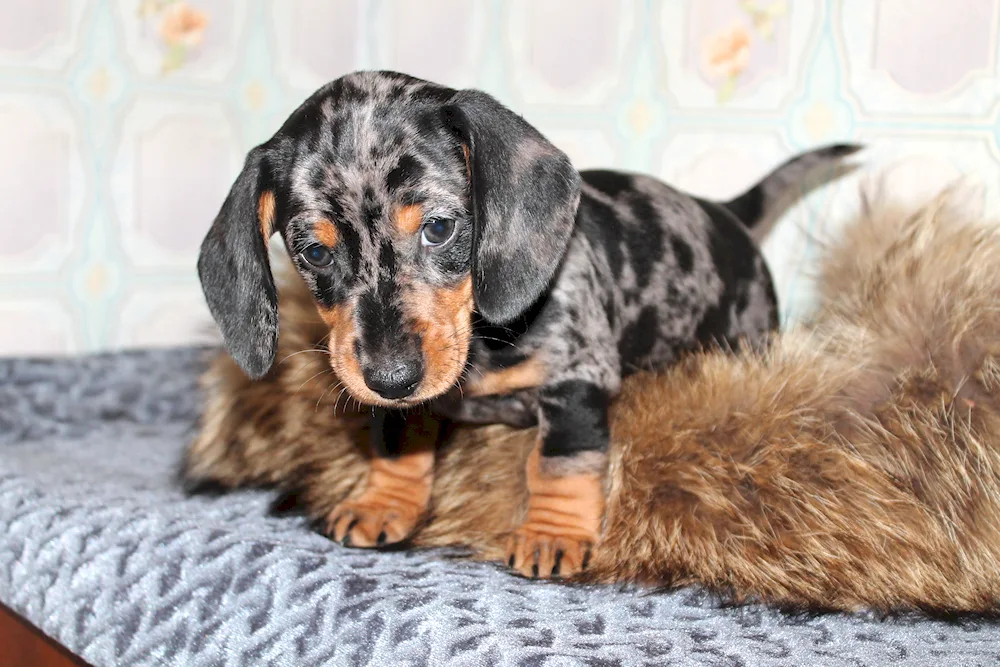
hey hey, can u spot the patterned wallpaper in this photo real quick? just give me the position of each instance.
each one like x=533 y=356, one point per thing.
x=123 y=122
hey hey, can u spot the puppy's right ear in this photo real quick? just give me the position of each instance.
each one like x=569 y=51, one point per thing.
x=235 y=271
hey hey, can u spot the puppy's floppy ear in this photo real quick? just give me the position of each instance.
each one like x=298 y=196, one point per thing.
x=525 y=194
x=235 y=271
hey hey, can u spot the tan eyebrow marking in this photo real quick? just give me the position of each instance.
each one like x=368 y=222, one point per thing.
x=325 y=232
x=409 y=218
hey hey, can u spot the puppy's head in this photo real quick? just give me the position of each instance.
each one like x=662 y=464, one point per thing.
x=405 y=206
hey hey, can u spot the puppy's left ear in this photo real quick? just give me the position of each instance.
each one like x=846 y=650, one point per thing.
x=235 y=271
x=525 y=194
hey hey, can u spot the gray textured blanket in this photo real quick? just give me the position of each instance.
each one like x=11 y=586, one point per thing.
x=100 y=550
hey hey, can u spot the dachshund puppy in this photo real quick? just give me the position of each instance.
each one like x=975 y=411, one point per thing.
x=464 y=266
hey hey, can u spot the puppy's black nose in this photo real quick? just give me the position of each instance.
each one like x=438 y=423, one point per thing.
x=396 y=379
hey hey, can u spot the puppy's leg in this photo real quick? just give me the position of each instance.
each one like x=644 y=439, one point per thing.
x=565 y=479
x=396 y=494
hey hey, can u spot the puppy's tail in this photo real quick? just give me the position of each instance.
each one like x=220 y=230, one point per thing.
x=760 y=206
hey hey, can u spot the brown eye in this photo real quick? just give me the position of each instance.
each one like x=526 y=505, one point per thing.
x=437 y=231
x=317 y=255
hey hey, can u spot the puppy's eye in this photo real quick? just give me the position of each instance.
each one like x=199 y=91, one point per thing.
x=317 y=255
x=437 y=231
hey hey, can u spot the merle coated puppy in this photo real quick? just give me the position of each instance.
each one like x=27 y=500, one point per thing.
x=461 y=261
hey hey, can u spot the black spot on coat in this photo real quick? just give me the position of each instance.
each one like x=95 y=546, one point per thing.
x=611 y=183
x=733 y=256
x=638 y=338
x=407 y=172
x=682 y=253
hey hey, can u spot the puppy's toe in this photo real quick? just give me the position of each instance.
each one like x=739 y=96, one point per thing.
x=368 y=522
x=543 y=555
x=342 y=521
x=571 y=557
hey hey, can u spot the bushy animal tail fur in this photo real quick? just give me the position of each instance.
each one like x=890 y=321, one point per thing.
x=855 y=463
x=763 y=203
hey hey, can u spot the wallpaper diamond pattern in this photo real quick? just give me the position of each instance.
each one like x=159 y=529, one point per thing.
x=123 y=122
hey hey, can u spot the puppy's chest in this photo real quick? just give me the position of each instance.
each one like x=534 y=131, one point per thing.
x=496 y=393
x=507 y=358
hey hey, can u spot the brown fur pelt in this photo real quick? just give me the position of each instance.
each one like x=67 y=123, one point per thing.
x=856 y=464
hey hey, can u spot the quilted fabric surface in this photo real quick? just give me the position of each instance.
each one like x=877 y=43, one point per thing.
x=101 y=550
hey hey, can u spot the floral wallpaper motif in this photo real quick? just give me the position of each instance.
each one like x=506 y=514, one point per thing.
x=726 y=56
x=726 y=53
x=123 y=122
x=180 y=27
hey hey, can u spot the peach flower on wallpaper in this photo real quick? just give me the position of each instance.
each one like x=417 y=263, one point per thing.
x=181 y=28
x=726 y=53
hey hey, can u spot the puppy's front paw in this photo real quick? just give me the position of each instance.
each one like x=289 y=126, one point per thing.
x=374 y=519
x=388 y=510
x=563 y=520
x=542 y=552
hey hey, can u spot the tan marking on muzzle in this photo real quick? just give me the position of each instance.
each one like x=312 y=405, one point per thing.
x=443 y=319
x=345 y=363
